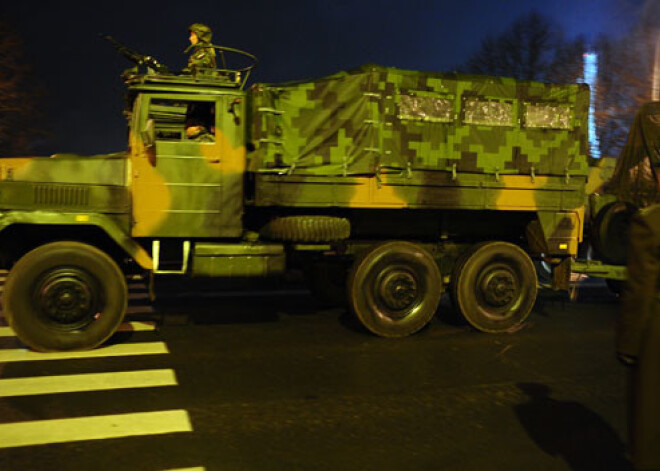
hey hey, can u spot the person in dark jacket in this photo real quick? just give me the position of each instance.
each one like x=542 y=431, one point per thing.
x=638 y=338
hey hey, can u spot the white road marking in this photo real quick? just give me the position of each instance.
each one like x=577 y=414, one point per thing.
x=135 y=326
x=139 y=311
x=7 y=332
x=86 y=382
x=41 y=432
x=124 y=349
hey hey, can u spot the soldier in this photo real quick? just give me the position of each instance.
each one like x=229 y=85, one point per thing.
x=638 y=338
x=203 y=53
x=200 y=122
x=199 y=134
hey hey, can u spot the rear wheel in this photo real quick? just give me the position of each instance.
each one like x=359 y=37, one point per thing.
x=394 y=289
x=65 y=296
x=494 y=287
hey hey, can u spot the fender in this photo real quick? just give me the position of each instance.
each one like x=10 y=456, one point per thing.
x=102 y=221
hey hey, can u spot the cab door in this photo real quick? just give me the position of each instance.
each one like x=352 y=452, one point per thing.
x=189 y=182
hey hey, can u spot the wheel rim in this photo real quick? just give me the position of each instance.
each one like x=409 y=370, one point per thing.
x=67 y=298
x=397 y=292
x=498 y=290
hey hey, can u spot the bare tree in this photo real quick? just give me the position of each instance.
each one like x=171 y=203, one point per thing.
x=567 y=64
x=533 y=49
x=524 y=51
x=18 y=97
x=625 y=76
x=623 y=85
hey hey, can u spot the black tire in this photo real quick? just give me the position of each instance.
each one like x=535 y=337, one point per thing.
x=65 y=296
x=307 y=229
x=494 y=286
x=610 y=232
x=394 y=289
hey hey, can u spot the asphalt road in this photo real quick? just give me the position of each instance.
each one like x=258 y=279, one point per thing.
x=264 y=381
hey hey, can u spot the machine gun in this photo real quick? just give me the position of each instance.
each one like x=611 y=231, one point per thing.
x=137 y=58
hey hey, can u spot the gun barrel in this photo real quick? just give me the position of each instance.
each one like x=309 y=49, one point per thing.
x=123 y=50
x=136 y=57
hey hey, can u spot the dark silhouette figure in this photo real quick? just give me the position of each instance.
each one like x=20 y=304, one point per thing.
x=638 y=334
x=571 y=431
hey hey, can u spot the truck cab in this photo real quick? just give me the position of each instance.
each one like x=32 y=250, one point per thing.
x=183 y=183
x=73 y=227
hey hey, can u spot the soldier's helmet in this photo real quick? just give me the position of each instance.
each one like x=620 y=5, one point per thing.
x=202 y=31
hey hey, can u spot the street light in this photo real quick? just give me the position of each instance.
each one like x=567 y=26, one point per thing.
x=591 y=79
x=655 y=87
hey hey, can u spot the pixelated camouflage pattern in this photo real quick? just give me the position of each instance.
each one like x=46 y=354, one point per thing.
x=374 y=119
x=379 y=137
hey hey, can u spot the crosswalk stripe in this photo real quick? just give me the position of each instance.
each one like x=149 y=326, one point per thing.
x=7 y=332
x=86 y=382
x=137 y=326
x=42 y=432
x=123 y=349
x=134 y=326
x=139 y=310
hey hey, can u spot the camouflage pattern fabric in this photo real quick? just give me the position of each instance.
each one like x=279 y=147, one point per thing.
x=376 y=120
x=203 y=57
x=203 y=32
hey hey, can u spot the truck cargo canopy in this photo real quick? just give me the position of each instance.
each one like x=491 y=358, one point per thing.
x=380 y=119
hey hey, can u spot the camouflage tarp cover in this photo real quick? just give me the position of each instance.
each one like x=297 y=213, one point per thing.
x=634 y=180
x=378 y=119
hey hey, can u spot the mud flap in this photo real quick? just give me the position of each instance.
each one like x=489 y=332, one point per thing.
x=561 y=275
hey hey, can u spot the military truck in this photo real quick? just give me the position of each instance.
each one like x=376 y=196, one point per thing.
x=617 y=188
x=398 y=185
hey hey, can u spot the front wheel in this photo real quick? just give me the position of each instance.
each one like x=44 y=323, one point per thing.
x=494 y=287
x=65 y=296
x=394 y=289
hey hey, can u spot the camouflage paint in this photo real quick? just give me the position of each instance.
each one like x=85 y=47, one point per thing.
x=374 y=137
x=108 y=224
x=379 y=137
x=188 y=188
x=66 y=184
x=70 y=190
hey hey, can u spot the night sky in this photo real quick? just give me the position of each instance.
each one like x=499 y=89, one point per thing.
x=293 y=40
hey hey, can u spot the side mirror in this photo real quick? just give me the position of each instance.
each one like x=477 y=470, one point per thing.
x=148 y=135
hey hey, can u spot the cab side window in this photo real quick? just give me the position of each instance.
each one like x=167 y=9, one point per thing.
x=178 y=120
